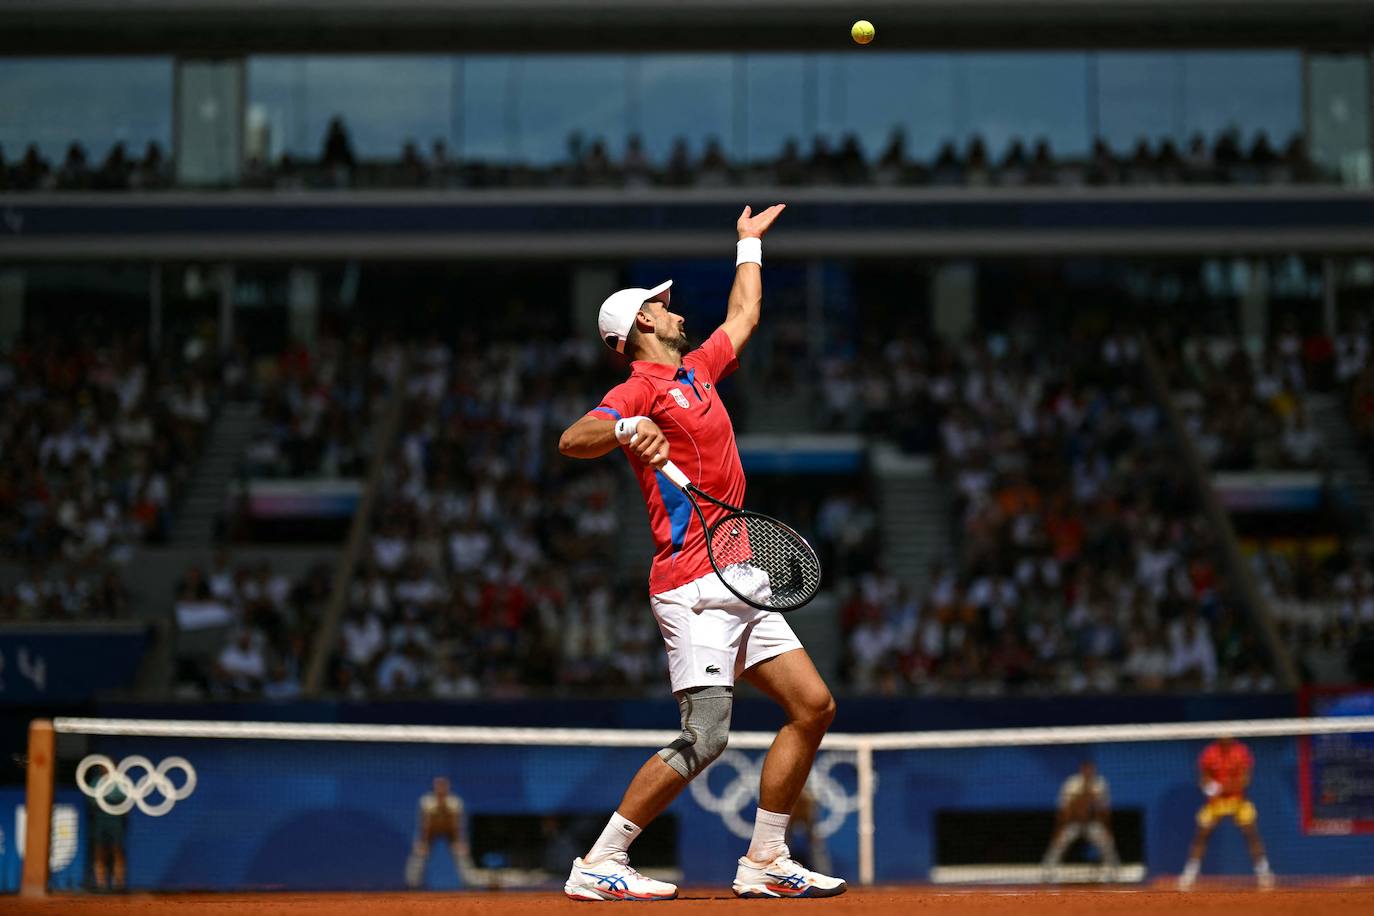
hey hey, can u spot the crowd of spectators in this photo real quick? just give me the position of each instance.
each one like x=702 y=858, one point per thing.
x=492 y=561
x=1244 y=410
x=1226 y=159
x=97 y=439
x=316 y=407
x=1321 y=588
x=1324 y=605
x=119 y=171
x=1247 y=410
x=269 y=619
x=1083 y=562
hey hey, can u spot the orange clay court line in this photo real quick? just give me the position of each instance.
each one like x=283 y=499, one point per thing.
x=890 y=901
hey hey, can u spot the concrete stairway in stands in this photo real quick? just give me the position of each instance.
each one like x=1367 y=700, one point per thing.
x=913 y=512
x=194 y=524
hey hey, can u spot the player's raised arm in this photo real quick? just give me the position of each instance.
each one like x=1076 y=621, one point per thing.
x=746 y=296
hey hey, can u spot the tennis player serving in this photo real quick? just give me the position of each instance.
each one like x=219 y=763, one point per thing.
x=670 y=409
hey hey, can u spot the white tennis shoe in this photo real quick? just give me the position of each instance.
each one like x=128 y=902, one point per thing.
x=783 y=877
x=614 y=879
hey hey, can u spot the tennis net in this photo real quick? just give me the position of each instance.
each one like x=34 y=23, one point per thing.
x=262 y=805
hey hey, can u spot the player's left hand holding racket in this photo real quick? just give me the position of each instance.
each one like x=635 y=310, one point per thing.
x=763 y=562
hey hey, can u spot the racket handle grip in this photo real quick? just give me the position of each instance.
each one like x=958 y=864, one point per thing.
x=673 y=473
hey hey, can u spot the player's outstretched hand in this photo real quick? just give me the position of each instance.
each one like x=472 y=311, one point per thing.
x=753 y=227
x=649 y=443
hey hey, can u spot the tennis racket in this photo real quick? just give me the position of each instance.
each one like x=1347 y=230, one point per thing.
x=763 y=562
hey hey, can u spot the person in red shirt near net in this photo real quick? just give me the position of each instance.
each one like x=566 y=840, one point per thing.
x=670 y=406
x=1225 y=767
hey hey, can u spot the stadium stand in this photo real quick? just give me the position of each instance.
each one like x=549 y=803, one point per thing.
x=99 y=438
x=1227 y=159
x=1083 y=564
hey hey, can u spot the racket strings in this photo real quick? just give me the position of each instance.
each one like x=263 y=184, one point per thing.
x=766 y=560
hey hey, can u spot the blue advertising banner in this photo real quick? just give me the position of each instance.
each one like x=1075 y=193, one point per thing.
x=64 y=663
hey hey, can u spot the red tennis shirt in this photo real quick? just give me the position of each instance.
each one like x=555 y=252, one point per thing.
x=701 y=441
x=1227 y=766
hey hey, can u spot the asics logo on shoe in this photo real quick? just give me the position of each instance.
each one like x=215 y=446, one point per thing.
x=794 y=882
x=712 y=669
x=612 y=882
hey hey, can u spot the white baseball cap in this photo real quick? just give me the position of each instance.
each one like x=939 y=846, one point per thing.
x=618 y=313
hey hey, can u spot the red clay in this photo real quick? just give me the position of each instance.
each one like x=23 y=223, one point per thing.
x=882 y=901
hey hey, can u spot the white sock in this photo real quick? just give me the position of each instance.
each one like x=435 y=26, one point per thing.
x=1262 y=866
x=617 y=837
x=770 y=831
x=1190 y=870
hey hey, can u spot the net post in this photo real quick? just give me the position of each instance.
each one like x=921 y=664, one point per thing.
x=864 y=765
x=38 y=806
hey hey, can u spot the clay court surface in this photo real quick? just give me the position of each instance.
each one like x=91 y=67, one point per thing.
x=877 y=901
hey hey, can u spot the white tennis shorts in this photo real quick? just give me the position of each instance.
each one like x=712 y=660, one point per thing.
x=712 y=637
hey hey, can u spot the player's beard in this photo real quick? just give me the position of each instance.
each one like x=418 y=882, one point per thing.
x=678 y=342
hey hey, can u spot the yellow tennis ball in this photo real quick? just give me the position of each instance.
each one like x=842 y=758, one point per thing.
x=863 y=31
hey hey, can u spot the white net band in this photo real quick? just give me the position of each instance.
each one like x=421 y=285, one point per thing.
x=592 y=737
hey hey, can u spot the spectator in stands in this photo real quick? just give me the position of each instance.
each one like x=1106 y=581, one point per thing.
x=714 y=169
x=638 y=173
x=337 y=156
x=590 y=164
x=242 y=664
x=1103 y=167
x=281 y=684
x=1192 y=657
x=892 y=164
x=1042 y=166
x=977 y=168
x=679 y=170
x=412 y=171
x=114 y=173
x=151 y=172
x=75 y=174
x=1014 y=170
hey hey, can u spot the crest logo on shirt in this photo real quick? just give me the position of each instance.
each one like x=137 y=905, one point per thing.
x=679 y=397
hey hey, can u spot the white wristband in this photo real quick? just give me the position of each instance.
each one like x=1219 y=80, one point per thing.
x=626 y=428
x=749 y=251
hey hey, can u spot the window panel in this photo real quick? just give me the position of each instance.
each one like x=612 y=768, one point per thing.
x=383 y=101
x=1250 y=90
x=94 y=101
x=688 y=96
x=1026 y=97
x=871 y=94
x=776 y=104
x=1139 y=95
x=562 y=94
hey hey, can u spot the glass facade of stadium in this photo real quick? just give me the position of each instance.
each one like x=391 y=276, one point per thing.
x=537 y=109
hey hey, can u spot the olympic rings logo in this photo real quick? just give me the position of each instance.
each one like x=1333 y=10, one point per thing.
x=116 y=781
x=739 y=795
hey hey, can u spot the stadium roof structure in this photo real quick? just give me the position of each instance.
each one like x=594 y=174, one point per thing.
x=231 y=27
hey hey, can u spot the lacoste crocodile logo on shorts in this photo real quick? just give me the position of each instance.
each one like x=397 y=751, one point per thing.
x=712 y=669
